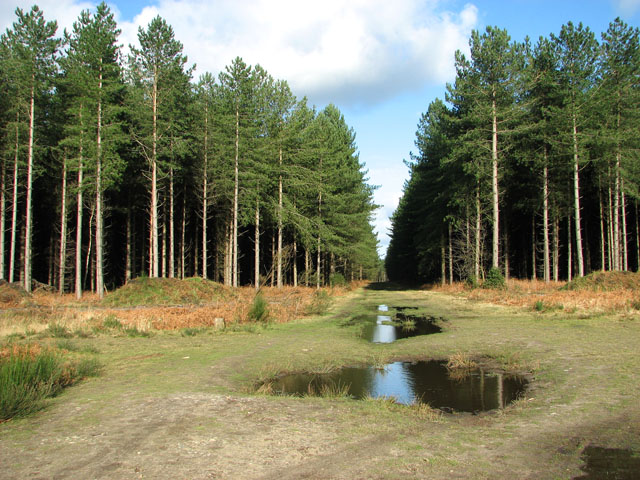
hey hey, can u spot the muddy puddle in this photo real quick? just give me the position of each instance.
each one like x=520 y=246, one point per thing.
x=388 y=329
x=609 y=463
x=411 y=382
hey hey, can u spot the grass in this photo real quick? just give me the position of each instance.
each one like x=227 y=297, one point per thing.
x=585 y=377
x=30 y=373
x=166 y=291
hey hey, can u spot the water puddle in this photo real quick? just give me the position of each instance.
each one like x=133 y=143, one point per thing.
x=387 y=329
x=411 y=382
x=609 y=463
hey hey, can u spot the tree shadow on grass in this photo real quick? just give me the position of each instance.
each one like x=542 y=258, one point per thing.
x=390 y=286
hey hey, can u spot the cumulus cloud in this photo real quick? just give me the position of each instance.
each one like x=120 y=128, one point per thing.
x=356 y=52
x=348 y=52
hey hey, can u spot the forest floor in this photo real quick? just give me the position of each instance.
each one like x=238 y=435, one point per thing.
x=183 y=403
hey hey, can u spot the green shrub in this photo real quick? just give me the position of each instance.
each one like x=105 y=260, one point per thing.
x=494 y=279
x=471 y=281
x=319 y=304
x=538 y=306
x=337 y=280
x=259 y=311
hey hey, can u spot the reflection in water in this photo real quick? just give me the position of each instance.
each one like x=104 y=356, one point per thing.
x=614 y=463
x=384 y=331
x=410 y=382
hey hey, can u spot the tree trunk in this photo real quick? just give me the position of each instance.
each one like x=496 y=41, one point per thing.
x=256 y=241
x=494 y=183
x=205 y=193
x=556 y=249
x=164 y=243
x=625 y=251
x=234 y=272
x=29 y=221
x=99 y=226
x=280 y=219
x=78 y=280
x=3 y=186
x=576 y=194
x=603 y=265
x=295 y=262
x=172 y=230
x=14 y=207
x=62 y=259
x=612 y=256
x=476 y=253
x=450 y=258
x=569 y=252
x=184 y=225
x=545 y=217
x=307 y=260
x=154 y=260
x=88 y=266
x=616 y=214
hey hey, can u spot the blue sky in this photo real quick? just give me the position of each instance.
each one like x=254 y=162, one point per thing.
x=380 y=62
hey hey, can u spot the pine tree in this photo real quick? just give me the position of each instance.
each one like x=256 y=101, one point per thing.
x=34 y=49
x=153 y=67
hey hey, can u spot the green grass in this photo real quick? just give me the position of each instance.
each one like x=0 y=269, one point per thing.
x=29 y=375
x=584 y=379
x=165 y=291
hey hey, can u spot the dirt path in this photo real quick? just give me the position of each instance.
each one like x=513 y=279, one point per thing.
x=175 y=407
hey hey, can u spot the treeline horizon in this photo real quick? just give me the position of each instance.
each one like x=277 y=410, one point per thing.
x=530 y=165
x=113 y=168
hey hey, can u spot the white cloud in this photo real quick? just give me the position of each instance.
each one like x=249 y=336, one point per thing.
x=65 y=12
x=627 y=7
x=355 y=52
x=349 y=52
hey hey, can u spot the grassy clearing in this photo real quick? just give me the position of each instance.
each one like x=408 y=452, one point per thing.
x=192 y=392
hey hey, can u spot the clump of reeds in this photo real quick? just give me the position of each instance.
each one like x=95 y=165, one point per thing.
x=29 y=374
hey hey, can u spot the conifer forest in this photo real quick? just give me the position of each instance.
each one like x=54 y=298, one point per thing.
x=529 y=167
x=115 y=167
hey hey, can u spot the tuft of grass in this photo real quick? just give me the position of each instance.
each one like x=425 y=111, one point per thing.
x=68 y=345
x=425 y=411
x=58 y=331
x=259 y=311
x=135 y=332
x=192 y=331
x=111 y=322
x=332 y=390
x=461 y=361
x=538 y=306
